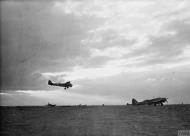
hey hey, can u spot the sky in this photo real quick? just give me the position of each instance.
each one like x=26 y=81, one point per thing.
x=111 y=51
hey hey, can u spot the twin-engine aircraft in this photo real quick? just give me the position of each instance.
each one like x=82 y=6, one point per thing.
x=155 y=101
x=65 y=85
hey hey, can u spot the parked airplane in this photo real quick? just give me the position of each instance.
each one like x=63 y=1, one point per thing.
x=155 y=101
x=65 y=85
x=51 y=105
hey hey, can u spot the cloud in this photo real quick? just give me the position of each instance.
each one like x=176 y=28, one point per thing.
x=104 y=47
x=83 y=73
x=34 y=39
x=59 y=97
x=168 y=48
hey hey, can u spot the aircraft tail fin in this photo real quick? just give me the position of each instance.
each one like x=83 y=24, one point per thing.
x=134 y=102
x=50 y=83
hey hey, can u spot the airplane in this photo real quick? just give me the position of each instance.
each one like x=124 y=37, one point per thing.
x=155 y=101
x=65 y=85
x=50 y=105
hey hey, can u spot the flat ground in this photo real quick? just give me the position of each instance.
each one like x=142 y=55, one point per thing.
x=95 y=120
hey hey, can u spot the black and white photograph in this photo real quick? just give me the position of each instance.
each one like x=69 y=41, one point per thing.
x=95 y=67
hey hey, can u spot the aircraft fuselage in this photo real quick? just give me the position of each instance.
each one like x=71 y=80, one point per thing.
x=155 y=101
x=65 y=85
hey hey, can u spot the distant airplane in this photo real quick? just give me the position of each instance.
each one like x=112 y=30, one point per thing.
x=155 y=101
x=65 y=85
x=51 y=105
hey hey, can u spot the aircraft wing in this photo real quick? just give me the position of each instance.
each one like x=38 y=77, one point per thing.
x=159 y=100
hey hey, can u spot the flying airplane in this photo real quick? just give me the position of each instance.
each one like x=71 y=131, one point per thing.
x=65 y=85
x=155 y=101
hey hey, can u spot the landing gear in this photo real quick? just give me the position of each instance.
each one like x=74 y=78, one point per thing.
x=161 y=104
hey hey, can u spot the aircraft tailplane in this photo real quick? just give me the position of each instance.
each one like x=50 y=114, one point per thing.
x=134 y=102
x=50 y=82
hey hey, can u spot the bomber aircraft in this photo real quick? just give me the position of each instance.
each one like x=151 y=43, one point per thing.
x=155 y=101
x=65 y=85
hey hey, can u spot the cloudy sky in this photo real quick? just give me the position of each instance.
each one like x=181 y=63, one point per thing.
x=110 y=50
